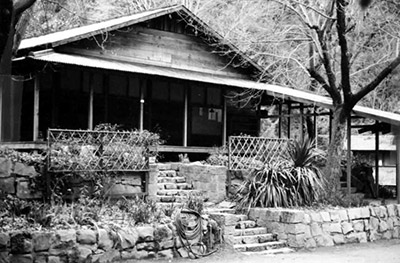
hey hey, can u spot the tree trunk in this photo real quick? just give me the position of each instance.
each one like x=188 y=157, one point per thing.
x=333 y=170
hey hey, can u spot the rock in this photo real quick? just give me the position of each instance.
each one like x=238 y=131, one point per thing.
x=324 y=241
x=162 y=233
x=296 y=241
x=4 y=240
x=128 y=238
x=315 y=217
x=383 y=226
x=25 y=170
x=167 y=244
x=358 y=225
x=347 y=227
x=54 y=259
x=5 y=167
x=295 y=229
x=360 y=237
x=273 y=215
x=387 y=235
x=332 y=228
x=326 y=217
x=166 y=254
x=310 y=243
x=292 y=216
x=42 y=241
x=335 y=217
x=338 y=239
x=307 y=231
x=24 y=191
x=391 y=211
x=105 y=241
x=107 y=257
x=374 y=223
x=41 y=257
x=84 y=254
x=307 y=219
x=7 y=185
x=27 y=258
x=149 y=246
x=21 y=243
x=316 y=229
x=145 y=233
x=86 y=236
x=183 y=253
x=365 y=213
x=354 y=213
x=62 y=242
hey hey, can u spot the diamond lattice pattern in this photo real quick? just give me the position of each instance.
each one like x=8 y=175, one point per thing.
x=83 y=151
x=253 y=152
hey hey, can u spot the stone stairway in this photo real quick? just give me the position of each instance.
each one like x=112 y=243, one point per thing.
x=245 y=236
x=173 y=189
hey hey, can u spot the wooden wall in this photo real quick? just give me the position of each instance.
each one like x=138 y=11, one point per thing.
x=141 y=44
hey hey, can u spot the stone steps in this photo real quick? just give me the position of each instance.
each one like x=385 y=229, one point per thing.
x=176 y=192
x=283 y=250
x=174 y=180
x=250 y=231
x=253 y=239
x=244 y=224
x=259 y=246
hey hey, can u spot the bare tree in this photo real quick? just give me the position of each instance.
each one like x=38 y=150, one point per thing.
x=354 y=48
x=10 y=35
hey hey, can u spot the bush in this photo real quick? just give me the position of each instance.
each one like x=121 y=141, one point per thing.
x=293 y=181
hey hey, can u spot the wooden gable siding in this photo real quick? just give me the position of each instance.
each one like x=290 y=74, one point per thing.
x=156 y=47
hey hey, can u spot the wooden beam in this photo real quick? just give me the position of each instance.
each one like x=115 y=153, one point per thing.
x=377 y=160
x=91 y=95
x=288 y=128
x=349 y=156
x=141 y=114
x=225 y=122
x=36 y=108
x=185 y=118
x=397 y=133
x=280 y=121
x=301 y=121
x=330 y=126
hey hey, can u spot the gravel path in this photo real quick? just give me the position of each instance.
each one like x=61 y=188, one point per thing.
x=384 y=251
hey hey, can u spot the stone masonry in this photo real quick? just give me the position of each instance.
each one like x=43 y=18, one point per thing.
x=310 y=228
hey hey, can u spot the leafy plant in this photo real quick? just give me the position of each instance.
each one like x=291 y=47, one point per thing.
x=292 y=181
x=195 y=202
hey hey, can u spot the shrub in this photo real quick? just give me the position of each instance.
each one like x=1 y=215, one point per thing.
x=293 y=181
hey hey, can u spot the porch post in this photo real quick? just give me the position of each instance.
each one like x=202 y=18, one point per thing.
x=224 y=124
x=90 y=111
x=141 y=113
x=397 y=136
x=349 y=155
x=289 y=112
x=185 y=119
x=377 y=158
x=36 y=108
x=301 y=121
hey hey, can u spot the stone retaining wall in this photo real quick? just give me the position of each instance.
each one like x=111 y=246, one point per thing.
x=309 y=228
x=209 y=179
x=87 y=245
x=17 y=179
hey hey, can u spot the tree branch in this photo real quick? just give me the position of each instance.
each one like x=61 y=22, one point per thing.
x=20 y=6
x=344 y=64
x=374 y=83
x=331 y=91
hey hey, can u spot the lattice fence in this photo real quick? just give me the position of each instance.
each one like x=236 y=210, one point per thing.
x=91 y=151
x=253 y=152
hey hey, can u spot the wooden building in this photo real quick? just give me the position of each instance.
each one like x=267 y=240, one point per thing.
x=161 y=70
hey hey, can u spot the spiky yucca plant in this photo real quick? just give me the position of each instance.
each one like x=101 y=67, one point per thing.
x=291 y=181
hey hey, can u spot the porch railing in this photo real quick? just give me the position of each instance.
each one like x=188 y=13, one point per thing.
x=91 y=151
x=245 y=152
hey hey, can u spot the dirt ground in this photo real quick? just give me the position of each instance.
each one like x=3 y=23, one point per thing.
x=384 y=251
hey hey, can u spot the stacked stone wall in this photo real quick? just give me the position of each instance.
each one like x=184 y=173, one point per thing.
x=309 y=228
x=89 y=245
x=18 y=179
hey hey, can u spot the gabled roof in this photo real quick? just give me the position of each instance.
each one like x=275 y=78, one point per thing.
x=60 y=38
